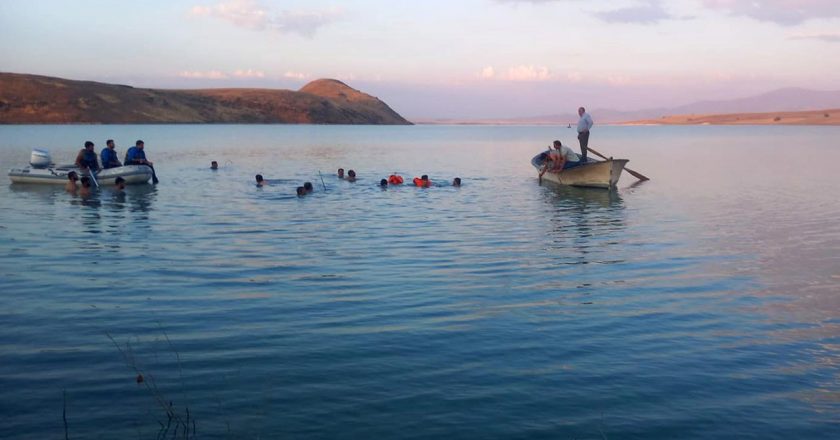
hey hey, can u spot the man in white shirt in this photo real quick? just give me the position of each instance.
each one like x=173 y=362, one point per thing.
x=561 y=158
x=583 y=127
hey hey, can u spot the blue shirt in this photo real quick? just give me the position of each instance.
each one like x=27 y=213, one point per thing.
x=133 y=154
x=109 y=158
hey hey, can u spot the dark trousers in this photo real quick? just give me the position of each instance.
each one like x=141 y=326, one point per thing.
x=583 y=137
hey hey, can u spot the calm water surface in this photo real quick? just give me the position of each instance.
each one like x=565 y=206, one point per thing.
x=704 y=303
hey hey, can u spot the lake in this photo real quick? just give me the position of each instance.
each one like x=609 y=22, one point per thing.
x=702 y=304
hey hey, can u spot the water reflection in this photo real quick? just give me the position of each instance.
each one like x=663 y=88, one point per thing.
x=587 y=221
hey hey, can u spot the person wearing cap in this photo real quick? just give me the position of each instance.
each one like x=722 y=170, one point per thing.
x=136 y=156
x=109 y=156
x=86 y=159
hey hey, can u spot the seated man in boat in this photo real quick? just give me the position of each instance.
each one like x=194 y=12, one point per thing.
x=86 y=159
x=136 y=156
x=109 y=156
x=561 y=158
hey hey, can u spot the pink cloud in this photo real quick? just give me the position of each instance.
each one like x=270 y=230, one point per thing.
x=253 y=15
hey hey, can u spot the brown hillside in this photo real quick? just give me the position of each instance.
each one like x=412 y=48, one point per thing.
x=810 y=117
x=39 y=99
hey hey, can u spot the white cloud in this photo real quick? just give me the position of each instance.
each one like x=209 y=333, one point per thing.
x=528 y=73
x=212 y=74
x=294 y=75
x=253 y=15
x=245 y=13
x=488 y=73
x=249 y=74
x=785 y=12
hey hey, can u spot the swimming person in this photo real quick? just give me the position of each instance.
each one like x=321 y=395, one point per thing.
x=120 y=183
x=351 y=176
x=301 y=191
x=383 y=183
x=214 y=165
x=308 y=187
x=422 y=181
x=109 y=155
x=341 y=173
x=84 y=191
x=260 y=180
x=456 y=181
x=71 y=186
x=86 y=159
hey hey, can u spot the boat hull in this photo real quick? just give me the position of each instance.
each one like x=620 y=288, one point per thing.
x=593 y=174
x=133 y=174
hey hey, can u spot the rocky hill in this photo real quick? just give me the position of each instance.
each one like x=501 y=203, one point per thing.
x=33 y=99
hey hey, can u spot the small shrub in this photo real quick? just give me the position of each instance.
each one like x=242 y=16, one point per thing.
x=777 y=119
x=826 y=115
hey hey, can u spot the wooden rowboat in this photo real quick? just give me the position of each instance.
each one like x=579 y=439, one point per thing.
x=595 y=174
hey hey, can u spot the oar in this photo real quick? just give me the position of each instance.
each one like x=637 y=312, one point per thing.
x=322 y=180
x=637 y=175
x=92 y=177
x=155 y=179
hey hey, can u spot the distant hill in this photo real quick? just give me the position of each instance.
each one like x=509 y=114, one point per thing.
x=811 y=117
x=28 y=99
x=782 y=100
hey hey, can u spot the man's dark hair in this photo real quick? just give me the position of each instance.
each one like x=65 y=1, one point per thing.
x=301 y=191
x=139 y=142
x=109 y=142
x=88 y=144
x=383 y=182
x=259 y=178
x=307 y=186
x=424 y=177
x=119 y=180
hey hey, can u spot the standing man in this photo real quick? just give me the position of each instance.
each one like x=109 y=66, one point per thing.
x=583 y=127
x=86 y=159
x=136 y=156
x=109 y=156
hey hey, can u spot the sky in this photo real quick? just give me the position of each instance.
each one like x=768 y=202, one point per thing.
x=440 y=58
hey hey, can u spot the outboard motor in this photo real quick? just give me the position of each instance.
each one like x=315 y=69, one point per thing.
x=40 y=158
